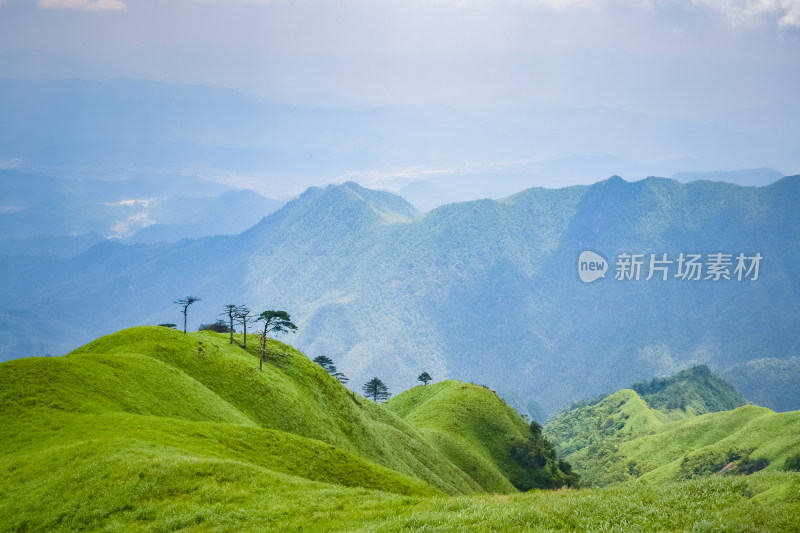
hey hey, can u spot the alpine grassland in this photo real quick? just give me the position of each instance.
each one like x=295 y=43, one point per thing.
x=626 y=436
x=152 y=429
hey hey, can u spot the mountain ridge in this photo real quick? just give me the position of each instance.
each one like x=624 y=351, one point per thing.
x=477 y=290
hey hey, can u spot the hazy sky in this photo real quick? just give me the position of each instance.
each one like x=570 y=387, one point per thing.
x=731 y=63
x=656 y=55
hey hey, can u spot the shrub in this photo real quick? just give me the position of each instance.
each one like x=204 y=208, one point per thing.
x=748 y=465
x=219 y=326
x=792 y=463
x=707 y=462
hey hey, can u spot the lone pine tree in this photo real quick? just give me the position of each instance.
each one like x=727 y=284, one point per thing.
x=376 y=389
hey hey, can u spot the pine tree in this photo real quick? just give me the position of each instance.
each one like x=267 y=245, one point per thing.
x=376 y=389
x=275 y=322
x=326 y=363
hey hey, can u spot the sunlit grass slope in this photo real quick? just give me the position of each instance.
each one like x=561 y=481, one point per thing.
x=622 y=438
x=620 y=415
x=752 y=430
x=292 y=394
x=760 y=503
x=469 y=424
x=150 y=429
x=148 y=415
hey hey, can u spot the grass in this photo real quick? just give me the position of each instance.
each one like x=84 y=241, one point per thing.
x=292 y=394
x=150 y=429
x=160 y=491
x=743 y=504
x=622 y=438
x=469 y=424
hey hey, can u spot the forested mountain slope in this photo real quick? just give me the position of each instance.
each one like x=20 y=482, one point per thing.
x=485 y=291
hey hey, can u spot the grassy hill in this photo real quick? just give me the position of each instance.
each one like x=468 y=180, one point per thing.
x=642 y=408
x=150 y=429
x=124 y=441
x=476 y=430
x=621 y=438
x=133 y=420
x=620 y=415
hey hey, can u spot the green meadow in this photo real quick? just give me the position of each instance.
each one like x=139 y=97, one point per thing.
x=151 y=429
x=623 y=438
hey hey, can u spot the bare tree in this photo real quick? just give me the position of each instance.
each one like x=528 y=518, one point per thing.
x=186 y=302
x=232 y=312
x=243 y=318
x=276 y=322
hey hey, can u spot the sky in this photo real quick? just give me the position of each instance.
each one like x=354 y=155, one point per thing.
x=734 y=64
x=460 y=52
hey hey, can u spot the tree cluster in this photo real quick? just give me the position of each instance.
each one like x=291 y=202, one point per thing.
x=219 y=327
x=280 y=322
x=539 y=466
x=274 y=322
x=792 y=463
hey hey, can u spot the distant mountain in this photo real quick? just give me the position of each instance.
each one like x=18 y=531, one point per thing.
x=484 y=291
x=61 y=246
x=431 y=153
x=757 y=177
x=771 y=382
x=56 y=214
x=181 y=217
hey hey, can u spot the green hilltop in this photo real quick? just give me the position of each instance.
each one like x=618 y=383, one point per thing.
x=662 y=435
x=476 y=430
x=132 y=420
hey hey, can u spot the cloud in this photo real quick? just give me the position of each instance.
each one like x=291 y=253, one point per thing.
x=84 y=5
x=738 y=12
x=786 y=12
x=743 y=11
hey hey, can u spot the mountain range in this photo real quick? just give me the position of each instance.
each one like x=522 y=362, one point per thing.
x=485 y=291
x=432 y=154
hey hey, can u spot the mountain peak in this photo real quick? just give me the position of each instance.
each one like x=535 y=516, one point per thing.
x=388 y=206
